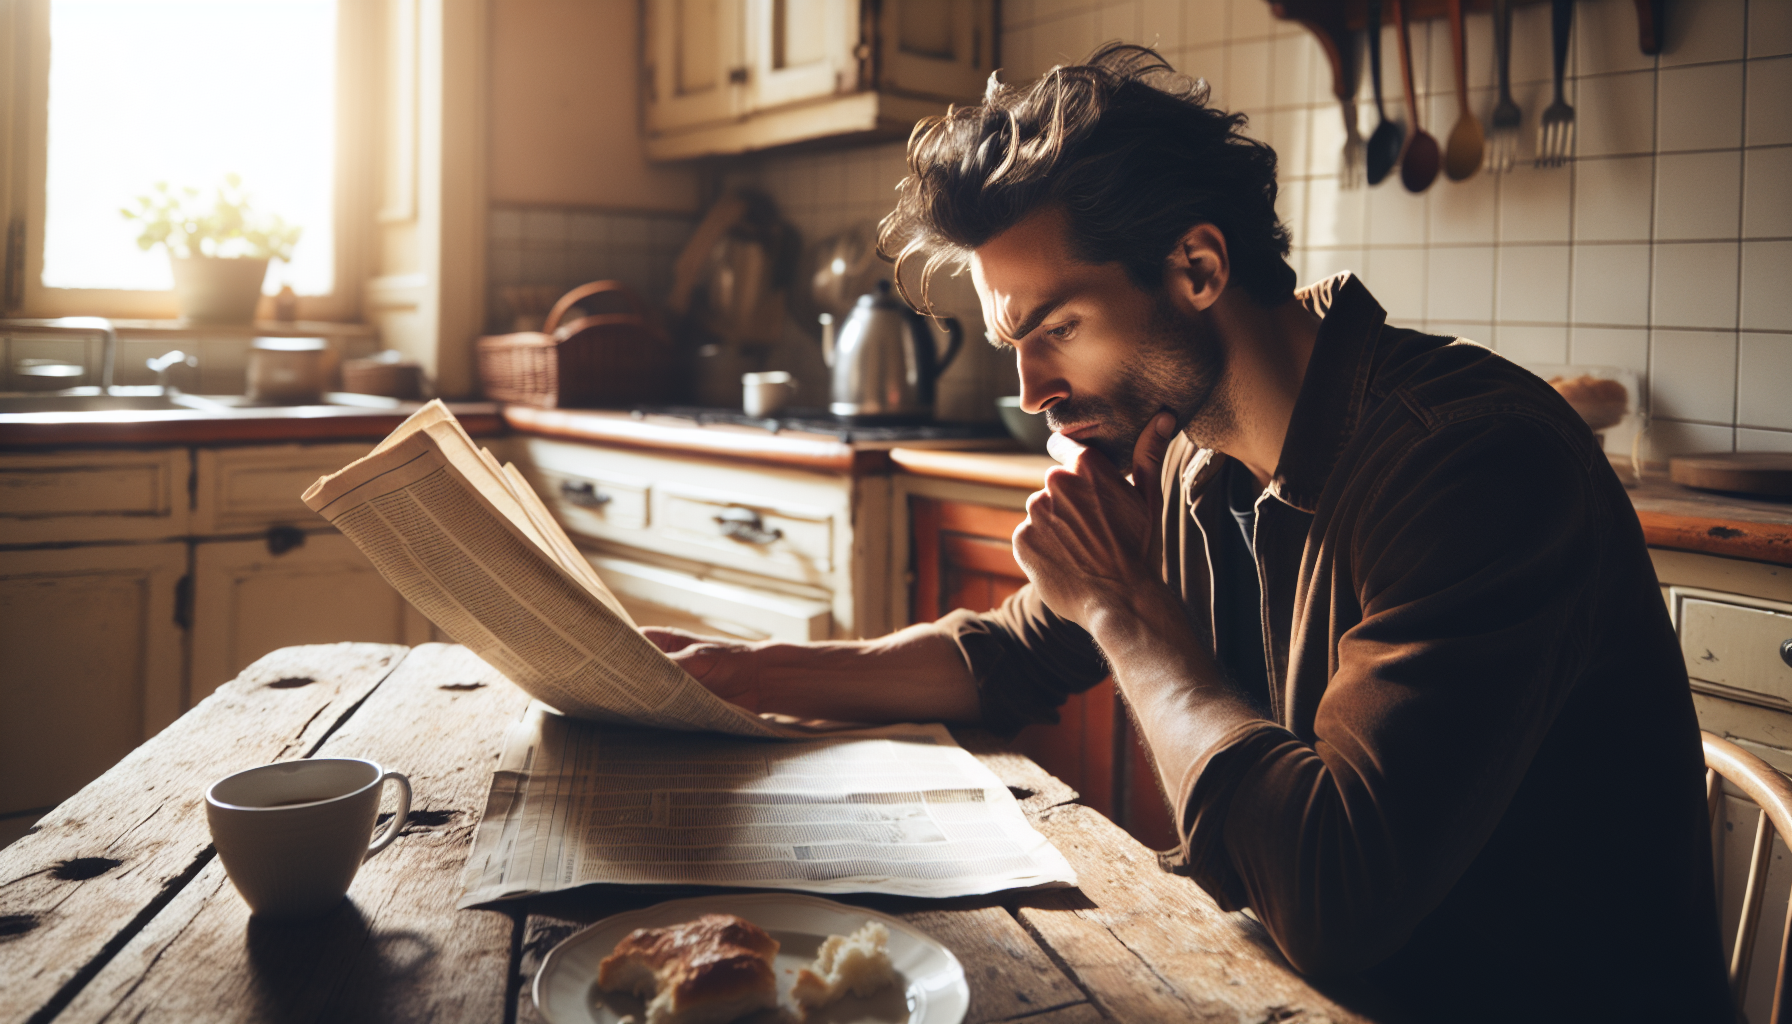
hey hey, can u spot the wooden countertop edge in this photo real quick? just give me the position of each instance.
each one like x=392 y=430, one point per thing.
x=804 y=451
x=998 y=469
x=1729 y=537
x=207 y=429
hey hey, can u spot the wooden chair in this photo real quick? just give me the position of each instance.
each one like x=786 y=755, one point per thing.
x=1772 y=792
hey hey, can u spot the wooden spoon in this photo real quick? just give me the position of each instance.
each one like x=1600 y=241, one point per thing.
x=1385 y=143
x=1462 y=155
x=1418 y=168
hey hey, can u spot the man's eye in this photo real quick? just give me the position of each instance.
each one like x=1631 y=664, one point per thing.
x=1060 y=332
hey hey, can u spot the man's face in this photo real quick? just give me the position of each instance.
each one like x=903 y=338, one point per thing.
x=1097 y=354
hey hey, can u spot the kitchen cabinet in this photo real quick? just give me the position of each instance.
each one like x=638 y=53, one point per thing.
x=960 y=556
x=286 y=588
x=134 y=581
x=730 y=76
x=1734 y=620
x=718 y=545
x=92 y=665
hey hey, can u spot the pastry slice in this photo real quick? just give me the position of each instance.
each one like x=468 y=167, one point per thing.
x=858 y=963
x=708 y=971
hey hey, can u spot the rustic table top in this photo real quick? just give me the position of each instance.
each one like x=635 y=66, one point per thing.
x=116 y=908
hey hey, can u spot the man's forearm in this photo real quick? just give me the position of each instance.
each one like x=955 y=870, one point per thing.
x=1177 y=691
x=912 y=675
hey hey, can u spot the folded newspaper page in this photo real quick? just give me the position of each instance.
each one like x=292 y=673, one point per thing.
x=470 y=544
x=898 y=809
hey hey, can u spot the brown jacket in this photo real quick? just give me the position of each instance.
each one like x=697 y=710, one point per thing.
x=1483 y=784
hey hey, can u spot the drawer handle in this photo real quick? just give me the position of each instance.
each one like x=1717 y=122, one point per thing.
x=744 y=524
x=1786 y=652
x=583 y=494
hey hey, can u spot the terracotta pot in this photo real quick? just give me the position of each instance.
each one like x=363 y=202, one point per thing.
x=218 y=289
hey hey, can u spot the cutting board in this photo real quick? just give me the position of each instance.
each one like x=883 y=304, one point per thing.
x=1763 y=474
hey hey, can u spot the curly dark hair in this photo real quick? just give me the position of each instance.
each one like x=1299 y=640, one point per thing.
x=1124 y=143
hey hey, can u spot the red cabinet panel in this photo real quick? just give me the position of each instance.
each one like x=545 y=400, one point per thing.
x=963 y=558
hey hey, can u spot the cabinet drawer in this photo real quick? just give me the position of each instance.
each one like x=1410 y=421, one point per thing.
x=796 y=538
x=588 y=504
x=711 y=606
x=1736 y=643
x=249 y=489
x=101 y=495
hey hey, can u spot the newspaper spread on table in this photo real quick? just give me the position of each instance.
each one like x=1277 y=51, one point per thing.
x=899 y=809
x=625 y=778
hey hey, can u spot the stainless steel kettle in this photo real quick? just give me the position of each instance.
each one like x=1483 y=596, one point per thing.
x=886 y=363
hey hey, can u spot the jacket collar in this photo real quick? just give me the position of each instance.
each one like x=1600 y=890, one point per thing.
x=1331 y=397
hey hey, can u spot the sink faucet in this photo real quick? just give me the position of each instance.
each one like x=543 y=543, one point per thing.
x=161 y=364
x=83 y=325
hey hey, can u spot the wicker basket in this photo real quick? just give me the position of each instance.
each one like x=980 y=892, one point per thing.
x=607 y=359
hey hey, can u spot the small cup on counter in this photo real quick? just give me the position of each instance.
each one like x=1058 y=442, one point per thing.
x=288 y=371
x=766 y=394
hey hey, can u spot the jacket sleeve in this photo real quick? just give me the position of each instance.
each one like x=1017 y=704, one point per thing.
x=1025 y=659
x=1473 y=563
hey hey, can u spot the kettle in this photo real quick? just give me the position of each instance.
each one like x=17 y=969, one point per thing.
x=886 y=362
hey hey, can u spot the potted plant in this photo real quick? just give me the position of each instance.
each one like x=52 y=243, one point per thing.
x=219 y=256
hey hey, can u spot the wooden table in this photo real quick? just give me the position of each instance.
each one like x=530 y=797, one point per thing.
x=116 y=909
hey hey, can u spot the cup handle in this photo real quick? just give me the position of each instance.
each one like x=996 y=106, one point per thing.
x=397 y=823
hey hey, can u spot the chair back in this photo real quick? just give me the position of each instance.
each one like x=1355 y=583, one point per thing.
x=1772 y=792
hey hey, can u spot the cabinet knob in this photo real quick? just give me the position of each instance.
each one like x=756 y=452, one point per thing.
x=1786 y=652
x=583 y=493
x=744 y=524
x=737 y=76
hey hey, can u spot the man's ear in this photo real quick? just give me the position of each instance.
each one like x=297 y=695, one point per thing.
x=1198 y=268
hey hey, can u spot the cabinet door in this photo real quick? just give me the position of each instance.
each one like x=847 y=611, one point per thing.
x=943 y=48
x=255 y=596
x=90 y=663
x=696 y=62
x=964 y=559
x=801 y=50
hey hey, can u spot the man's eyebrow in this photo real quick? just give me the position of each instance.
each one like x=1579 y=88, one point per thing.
x=1031 y=322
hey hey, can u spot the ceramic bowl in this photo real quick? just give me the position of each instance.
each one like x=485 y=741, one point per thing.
x=1027 y=428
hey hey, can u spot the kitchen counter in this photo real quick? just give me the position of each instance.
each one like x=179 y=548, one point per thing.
x=1672 y=516
x=793 y=448
x=251 y=425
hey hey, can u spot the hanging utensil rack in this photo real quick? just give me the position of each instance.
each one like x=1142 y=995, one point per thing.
x=1336 y=22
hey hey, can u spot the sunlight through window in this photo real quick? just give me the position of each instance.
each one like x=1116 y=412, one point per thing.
x=187 y=91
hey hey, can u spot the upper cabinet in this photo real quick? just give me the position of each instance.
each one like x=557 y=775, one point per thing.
x=731 y=76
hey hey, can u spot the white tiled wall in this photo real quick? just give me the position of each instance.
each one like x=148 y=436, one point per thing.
x=1665 y=247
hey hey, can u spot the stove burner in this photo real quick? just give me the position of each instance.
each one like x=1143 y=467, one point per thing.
x=820 y=421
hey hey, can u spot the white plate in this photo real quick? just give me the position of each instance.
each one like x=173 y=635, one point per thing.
x=930 y=985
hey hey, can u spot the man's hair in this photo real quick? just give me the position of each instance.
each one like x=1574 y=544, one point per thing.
x=1126 y=146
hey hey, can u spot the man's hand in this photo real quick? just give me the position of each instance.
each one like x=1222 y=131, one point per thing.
x=728 y=669
x=1092 y=540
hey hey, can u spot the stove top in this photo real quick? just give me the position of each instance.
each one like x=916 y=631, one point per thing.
x=820 y=421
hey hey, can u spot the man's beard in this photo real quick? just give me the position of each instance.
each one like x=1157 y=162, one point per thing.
x=1178 y=366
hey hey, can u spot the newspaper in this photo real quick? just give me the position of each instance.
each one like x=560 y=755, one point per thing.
x=901 y=810
x=469 y=543
x=607 y=779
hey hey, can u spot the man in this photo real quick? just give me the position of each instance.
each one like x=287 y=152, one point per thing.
x=1377 y=603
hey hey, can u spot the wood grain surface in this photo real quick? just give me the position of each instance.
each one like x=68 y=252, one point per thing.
x=116 y=910
x=396 y=950
x=103 y=863
x=1148 y=945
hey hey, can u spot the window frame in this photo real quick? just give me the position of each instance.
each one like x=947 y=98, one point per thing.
x=24 y=125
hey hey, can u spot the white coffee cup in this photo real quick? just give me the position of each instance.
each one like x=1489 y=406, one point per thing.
x=293 y=834
x=765 y=394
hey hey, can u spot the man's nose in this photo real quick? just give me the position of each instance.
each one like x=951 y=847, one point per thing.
x=1040 y=387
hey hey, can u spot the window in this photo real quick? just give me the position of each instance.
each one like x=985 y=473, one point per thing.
x=109 y=97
